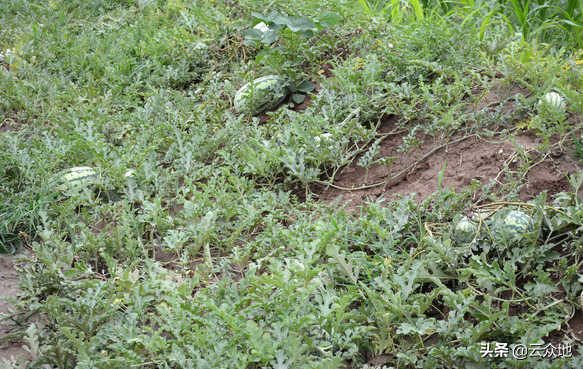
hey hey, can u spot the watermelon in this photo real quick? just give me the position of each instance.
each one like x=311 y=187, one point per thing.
x=482 y=215
x=77 y=179
x=552 y=100
x=517 y=223
x=261 y=95
x=465 y=231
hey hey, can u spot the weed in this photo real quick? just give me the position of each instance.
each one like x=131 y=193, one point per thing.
x=578 y=147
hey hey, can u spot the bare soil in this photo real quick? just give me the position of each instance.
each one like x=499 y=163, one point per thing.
x=466 y=159
x=8 y=289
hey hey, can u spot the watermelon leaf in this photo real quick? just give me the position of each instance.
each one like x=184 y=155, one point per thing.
x=328 y=19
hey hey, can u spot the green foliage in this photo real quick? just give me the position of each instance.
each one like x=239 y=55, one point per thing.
x=540 y=20
x=275 y=23
x=198 y=248
x=578 y=146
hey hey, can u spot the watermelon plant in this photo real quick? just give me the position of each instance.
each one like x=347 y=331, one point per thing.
x=307 y=240
x=265 y=36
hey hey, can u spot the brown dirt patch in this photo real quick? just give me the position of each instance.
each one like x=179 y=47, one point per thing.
x=474 y=158
x=8 y=289
x=10 y=121
x=497 y=97
x=575 y=325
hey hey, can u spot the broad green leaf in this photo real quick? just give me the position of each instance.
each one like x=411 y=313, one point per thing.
x=299 y=24
x=274 y=16
x=269 y=37
x=259 y=16
x=329 y=19
x=298 y=98
x=306 y=86
x=253 y=34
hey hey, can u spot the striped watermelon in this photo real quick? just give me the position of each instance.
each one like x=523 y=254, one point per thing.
x=552 y=100
x=77 y=179
x=465 y=231
x=261 y=95
x=517 y=223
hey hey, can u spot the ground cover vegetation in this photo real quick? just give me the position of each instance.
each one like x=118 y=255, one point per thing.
x=211 y=240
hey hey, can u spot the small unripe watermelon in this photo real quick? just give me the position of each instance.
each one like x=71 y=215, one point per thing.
x=552 y=100
x=482 y=215
x=517 y=224
x=465 y=231
x=77 y=179
x=261 y=95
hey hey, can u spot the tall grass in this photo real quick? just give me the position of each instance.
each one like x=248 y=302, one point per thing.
x=548 y=21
